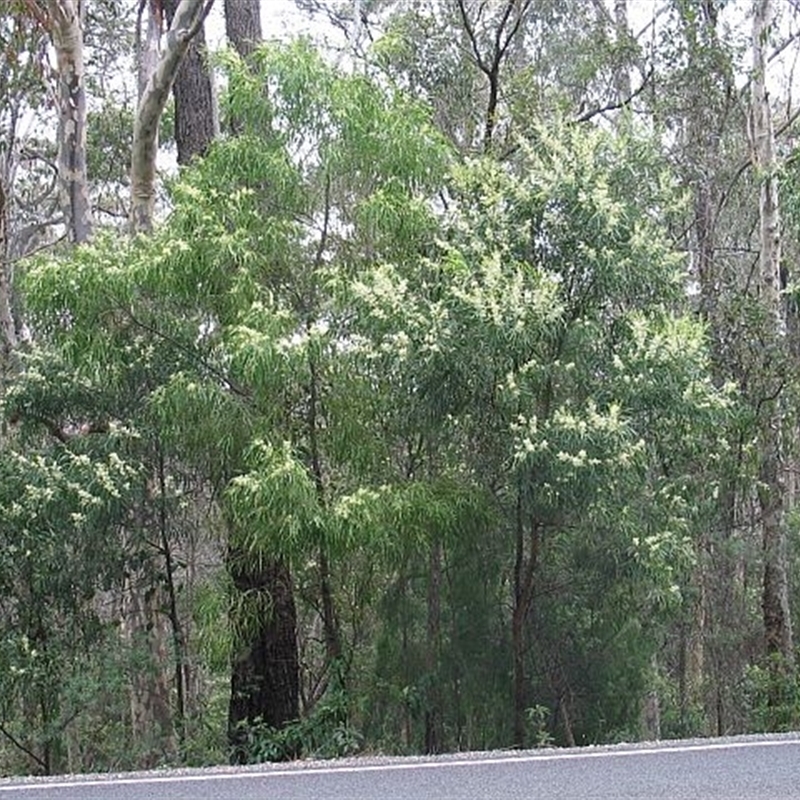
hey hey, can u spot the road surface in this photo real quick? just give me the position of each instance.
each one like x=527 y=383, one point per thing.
x=743 y=768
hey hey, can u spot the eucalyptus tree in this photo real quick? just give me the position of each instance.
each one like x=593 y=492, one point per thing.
x=490 y=40
x=196 y=115
x=772 y=492
x=492 y=70
x=28 y=197
x=243 y=25
x=64 y=20
x=187 y=20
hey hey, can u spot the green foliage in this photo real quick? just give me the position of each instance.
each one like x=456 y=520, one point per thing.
x=273 y=506
x=771 y=696
x=322 y=734
x=538 y=350
x=58 y=549
x=537 y=717
x=108 y=146
x=368 y=354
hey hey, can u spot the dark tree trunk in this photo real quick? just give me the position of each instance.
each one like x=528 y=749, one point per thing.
x=264 y=669
x=434 y=733
x=243 y=29
x=243 y=25
x=265 y=672
x=195 y=117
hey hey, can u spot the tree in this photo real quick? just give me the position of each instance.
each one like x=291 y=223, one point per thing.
x=243 y=25
x=65 y=21
x=772 y=489
x=228 y=242
x=186 y=22
x=501 y=33
x=59 y=550
x=473 y=428
x=520 y=335
x=196 y=118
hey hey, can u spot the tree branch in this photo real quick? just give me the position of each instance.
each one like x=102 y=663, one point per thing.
x=11 y=738
x=618 y=105
x=472 y=38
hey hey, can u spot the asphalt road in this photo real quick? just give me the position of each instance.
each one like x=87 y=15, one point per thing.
x=755 y=768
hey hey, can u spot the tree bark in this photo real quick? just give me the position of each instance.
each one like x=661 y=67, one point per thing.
x=8 y=327
x=148 y=37
x=243 y=25
x=333 y=647
x=143 y=629
x=265 y=685
x=188 y=18
x=67 y=35
x=525 y=569
x=434 y=734
x=195 y=112
x=622 y=75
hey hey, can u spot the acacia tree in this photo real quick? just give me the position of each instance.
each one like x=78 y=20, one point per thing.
x=259 y=287
x=525 y=340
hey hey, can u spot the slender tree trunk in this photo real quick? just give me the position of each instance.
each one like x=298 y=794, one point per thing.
x=145 y=622
x=434 y=734
x=148 y=37
x=651 y=707
x=8 y=327
x=518 y=678
x=491 y=59
x=330 y=624
x=67 y=34
x=772 y=489
x=333 y=647
x=178 y=639
x=765 y=163
x=707 y=89
x=188 y=18
x=525 y=567
x=622 y=74
x=265 y=685
x=144 y=631
x=196 y=122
